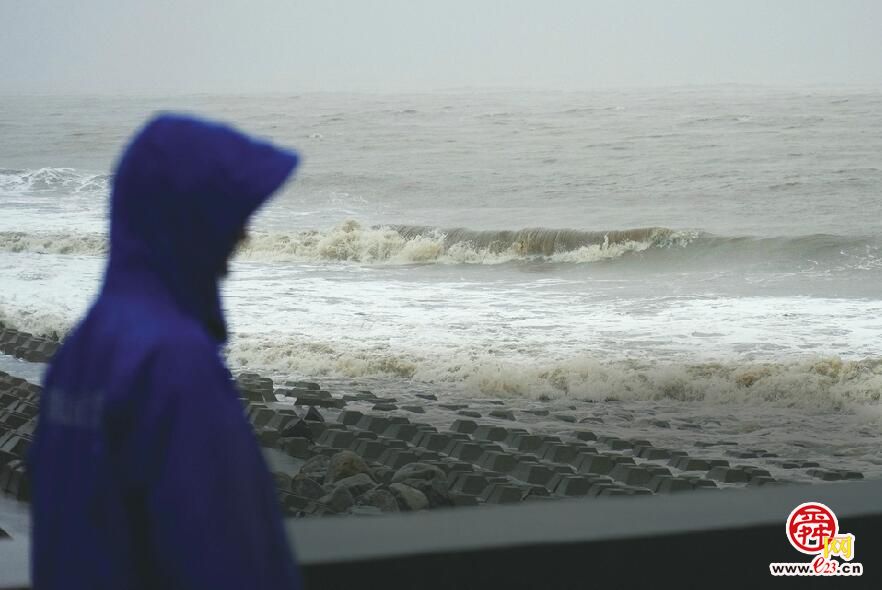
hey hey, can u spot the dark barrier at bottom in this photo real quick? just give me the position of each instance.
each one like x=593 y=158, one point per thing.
x=692 y=540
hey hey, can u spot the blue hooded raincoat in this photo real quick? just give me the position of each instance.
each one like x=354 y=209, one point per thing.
x=145 y=471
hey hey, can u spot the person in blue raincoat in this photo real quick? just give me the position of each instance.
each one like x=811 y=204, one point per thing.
x=145 y=471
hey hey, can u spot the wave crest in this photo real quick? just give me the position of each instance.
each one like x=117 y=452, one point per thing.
x=54 y=243
x=350 y=242
x=46 y=180
x=828 y=383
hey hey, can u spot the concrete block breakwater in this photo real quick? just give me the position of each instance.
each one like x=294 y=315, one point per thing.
x=35 y=349
x=355 y=452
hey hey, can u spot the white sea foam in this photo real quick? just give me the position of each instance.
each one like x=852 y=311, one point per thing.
x=45 y=180
x=351 y=242
x=89 y=244
x=39 y=322
x=818 y=383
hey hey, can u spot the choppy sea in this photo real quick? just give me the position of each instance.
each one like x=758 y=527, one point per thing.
x=711 y=251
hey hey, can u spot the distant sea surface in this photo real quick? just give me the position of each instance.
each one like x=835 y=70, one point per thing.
x=711 y=246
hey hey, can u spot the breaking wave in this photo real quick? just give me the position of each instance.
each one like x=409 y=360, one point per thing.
x=52 y=180
x=817 y=383
x=351 y=242
x=38 y=323
x=54 y=243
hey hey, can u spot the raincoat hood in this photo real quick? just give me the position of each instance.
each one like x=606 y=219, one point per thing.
x=182 y=194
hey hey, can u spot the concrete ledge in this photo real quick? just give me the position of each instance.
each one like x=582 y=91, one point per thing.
x=691 y=540
x=694 y=539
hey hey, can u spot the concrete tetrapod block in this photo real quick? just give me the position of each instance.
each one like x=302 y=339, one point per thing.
x=632 y=475
x=6 y=471
x=497 y=461
x=536 y=491
x=527 y=443
x=369 y=450
x=19 y=484
x=404 y=432
x=718 y=463
x=309 y=385
x=26 y=408
x=573 y=485
x=471 y=484
x=267 y=437
x=597 y=487
x=762 y=480
x=14 y=447
x=502 y=414
x=297 y=446
x=533 y=473
x=262 y=416
x=752 y=471
x=28 y=428
x=376 y=424
x=600 y=464
x=561 y=468
x=426 y=455
x=615 y=443
x=669 y=485
x=654 y=454
x=490 y=433
x=617 y=459
x=364 y=435
x=560 y=453
x=437 y=441
x=690 y=464
x=613 y=491
x=337 y=439
x=281 y=420
x=384 y=407
x=823 y=474
x=728 y=475
x=585 y=435
x=464 y=426
x=783 y=464
x=349 y=417
x=467 y=451
x=392 y=443
x=500 y=493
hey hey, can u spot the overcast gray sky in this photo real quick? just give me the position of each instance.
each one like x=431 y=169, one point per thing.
x=134 y=46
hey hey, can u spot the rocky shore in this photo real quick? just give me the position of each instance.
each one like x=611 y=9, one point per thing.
x=354 y=452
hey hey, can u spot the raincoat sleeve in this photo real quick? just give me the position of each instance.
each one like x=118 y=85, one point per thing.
x=212 y=510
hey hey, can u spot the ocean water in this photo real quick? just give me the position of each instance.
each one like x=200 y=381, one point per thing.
x=689 y=248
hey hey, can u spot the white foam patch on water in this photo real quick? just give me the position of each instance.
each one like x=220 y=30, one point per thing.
x=90 y=244
x=518 y=335
x=828 y=383
x=44 y=180
x=46 y=294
